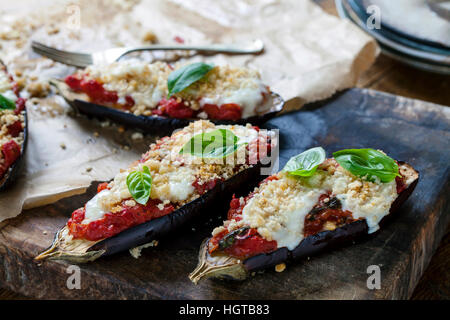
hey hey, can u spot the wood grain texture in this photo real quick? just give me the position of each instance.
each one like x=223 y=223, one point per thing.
x=390 y=76
x=355 y=118
x=435 y=283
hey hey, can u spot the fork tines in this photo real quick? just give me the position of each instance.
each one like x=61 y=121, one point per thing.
x=71 y=58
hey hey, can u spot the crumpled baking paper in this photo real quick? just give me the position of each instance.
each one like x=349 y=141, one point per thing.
x=309 y=55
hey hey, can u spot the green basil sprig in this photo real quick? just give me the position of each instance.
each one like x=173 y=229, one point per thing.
x=305 y=164
x=368 y=163
x=139 y=184
x=6 y=103
x=182 y=78
x=214 y=144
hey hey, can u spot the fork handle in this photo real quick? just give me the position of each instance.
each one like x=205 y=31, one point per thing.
x=209 y=48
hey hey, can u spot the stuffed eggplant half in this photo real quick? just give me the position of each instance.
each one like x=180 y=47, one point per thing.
x=160 y=96
x=13 y=129
x=314 y=203
x=176 y=180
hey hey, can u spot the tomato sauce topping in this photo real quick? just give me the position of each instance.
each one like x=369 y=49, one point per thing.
x=114 y=223
x=10 y=152
x=15 y=128
x=227 y=111
x=244 y=242
x=174 y=108
x=20 y=105
x=92 y=88
x=249 y=244
x=204 y=187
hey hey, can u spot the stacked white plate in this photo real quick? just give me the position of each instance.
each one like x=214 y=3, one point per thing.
x=407 y=30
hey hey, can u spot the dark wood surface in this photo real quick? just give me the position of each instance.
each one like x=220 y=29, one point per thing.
x=406 y=129
x=391 y=76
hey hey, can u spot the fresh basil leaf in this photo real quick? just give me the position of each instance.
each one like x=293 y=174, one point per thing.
x=368 y=163
x=305 y=164
x=214 y=144
x=6 y=103
x=139 y=184
x=182 y=78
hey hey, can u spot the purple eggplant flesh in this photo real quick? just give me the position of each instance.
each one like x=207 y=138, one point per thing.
x=154 y=124
x=225 y=267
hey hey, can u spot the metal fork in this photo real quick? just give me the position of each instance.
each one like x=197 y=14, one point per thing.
x=82 y=60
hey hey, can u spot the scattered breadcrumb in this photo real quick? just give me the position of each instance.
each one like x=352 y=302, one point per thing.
x=280 y=267
x=149 y=37
x=38 y=89
x=137 y=136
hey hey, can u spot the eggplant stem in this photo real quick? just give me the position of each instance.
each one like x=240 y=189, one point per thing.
x=76 y=251
x=217 y=267
x=47 y=254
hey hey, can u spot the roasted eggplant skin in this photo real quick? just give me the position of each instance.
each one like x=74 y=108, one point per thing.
x=311 y=245
x=16 y=168
x=314 y=244
x=154 y=124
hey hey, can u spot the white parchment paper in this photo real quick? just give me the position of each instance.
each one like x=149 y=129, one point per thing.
x=308 y=56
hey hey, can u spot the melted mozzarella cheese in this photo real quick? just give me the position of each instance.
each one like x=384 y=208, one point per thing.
x=373 y=210
x=278 y=210
x=180 y=184
x=290 y=232
x=249 y=99
x=104 y=201
x=364 y=199
x=245 y=134
x=93 y=209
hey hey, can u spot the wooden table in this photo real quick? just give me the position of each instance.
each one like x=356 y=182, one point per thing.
x=393 y=77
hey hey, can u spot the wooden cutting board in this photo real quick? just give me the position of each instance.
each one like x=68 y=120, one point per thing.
x=409 y=130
